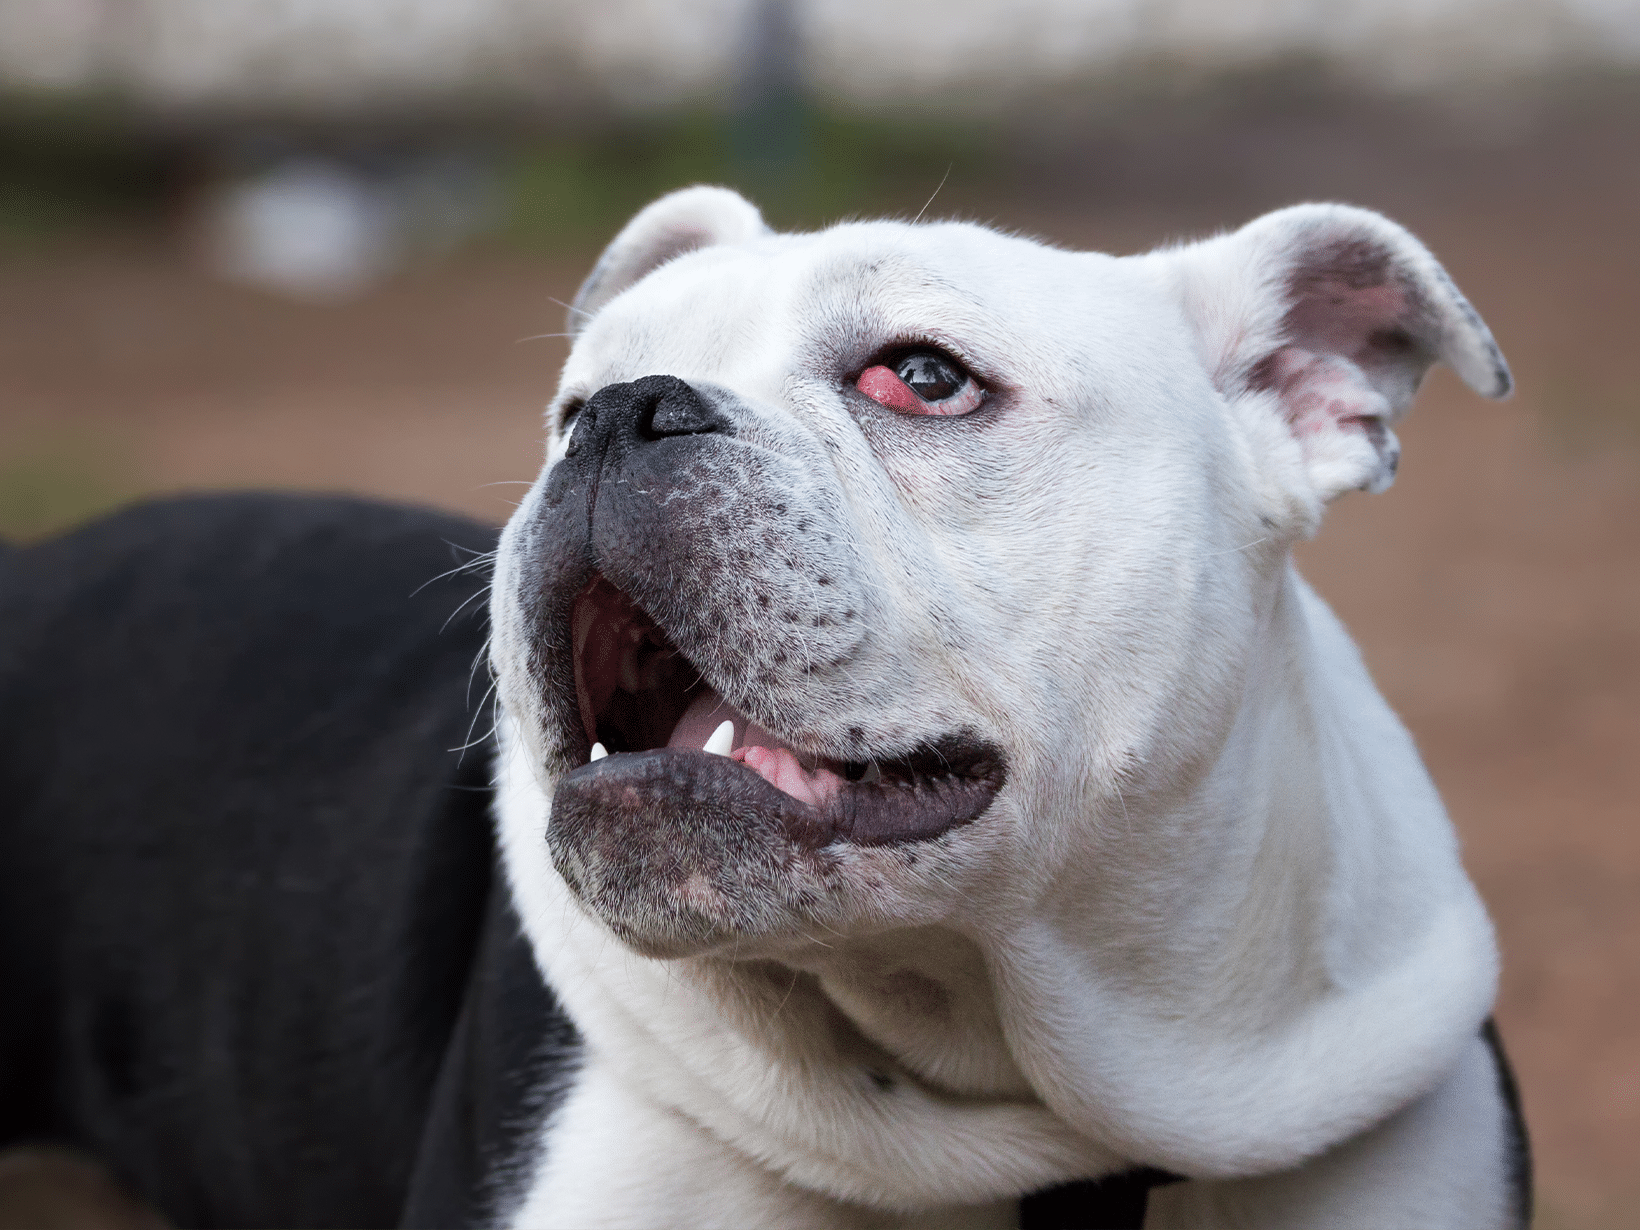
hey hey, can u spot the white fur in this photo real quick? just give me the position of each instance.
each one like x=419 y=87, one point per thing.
x=1215 y=921
x=1434 y=1164
x=618 y=1159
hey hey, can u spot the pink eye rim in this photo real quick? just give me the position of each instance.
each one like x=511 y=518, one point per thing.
x=883 y=384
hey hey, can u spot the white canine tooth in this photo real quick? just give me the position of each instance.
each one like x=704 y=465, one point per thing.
x=872 y=775
x=722 y=741
x=599 y=751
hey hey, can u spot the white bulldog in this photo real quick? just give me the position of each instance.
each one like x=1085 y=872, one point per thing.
x=1057 y=828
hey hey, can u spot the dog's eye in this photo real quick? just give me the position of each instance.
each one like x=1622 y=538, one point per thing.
x=930 y=375
x=922 y=382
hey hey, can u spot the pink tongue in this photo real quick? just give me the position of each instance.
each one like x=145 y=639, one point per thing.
x=769 y=756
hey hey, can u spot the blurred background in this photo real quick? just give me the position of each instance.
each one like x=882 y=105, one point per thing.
x=323 y=244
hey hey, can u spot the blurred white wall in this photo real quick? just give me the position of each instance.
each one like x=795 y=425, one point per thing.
x=335 y=54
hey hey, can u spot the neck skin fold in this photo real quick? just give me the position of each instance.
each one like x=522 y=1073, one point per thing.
x=1274 y=962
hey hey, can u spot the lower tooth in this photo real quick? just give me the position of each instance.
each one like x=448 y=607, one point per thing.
x=598 y=753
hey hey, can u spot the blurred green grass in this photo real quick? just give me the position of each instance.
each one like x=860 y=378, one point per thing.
x=806 y=167
x=73 y=166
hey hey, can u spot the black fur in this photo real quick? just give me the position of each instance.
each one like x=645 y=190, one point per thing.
x=1520 y=1144
x=509 y=1064
x=243 y=875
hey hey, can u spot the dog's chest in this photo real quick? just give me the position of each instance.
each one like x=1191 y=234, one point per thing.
x=608 y=1158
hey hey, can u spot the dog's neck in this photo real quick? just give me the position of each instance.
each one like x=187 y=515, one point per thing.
x=1253 y=969
x=1283 y=955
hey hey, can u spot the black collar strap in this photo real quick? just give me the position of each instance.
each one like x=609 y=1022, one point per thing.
x=1116 y=1202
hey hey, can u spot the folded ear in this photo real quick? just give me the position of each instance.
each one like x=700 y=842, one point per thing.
x=1326 y=318
x=679 y=222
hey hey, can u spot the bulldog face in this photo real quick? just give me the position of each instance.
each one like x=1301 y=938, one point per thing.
x=965 y=540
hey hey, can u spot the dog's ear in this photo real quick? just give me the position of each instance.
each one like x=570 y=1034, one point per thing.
x=1326 y=317
x=679 y=222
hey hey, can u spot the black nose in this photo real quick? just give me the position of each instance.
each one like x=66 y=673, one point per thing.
x=652 y=408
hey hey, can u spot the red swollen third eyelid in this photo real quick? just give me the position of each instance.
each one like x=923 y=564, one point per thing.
x=883 y=386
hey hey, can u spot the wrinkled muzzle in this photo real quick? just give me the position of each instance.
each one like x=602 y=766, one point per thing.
x=693 y=614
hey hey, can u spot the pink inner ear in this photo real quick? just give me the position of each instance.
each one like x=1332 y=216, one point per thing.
x=1334 y=318
x=1319 y=392
x=1353 y=300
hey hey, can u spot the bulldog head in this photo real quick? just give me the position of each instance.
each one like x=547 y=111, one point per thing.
x=966 y=539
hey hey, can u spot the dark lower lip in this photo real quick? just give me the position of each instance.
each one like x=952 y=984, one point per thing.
x=937 y=789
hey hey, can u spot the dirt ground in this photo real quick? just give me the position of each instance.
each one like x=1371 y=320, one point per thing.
x=1495 y=589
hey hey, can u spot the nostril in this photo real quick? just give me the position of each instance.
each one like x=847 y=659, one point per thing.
x=675 y=409
x=580 y=422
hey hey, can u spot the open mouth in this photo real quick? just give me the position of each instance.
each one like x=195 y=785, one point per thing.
x=639 y=696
